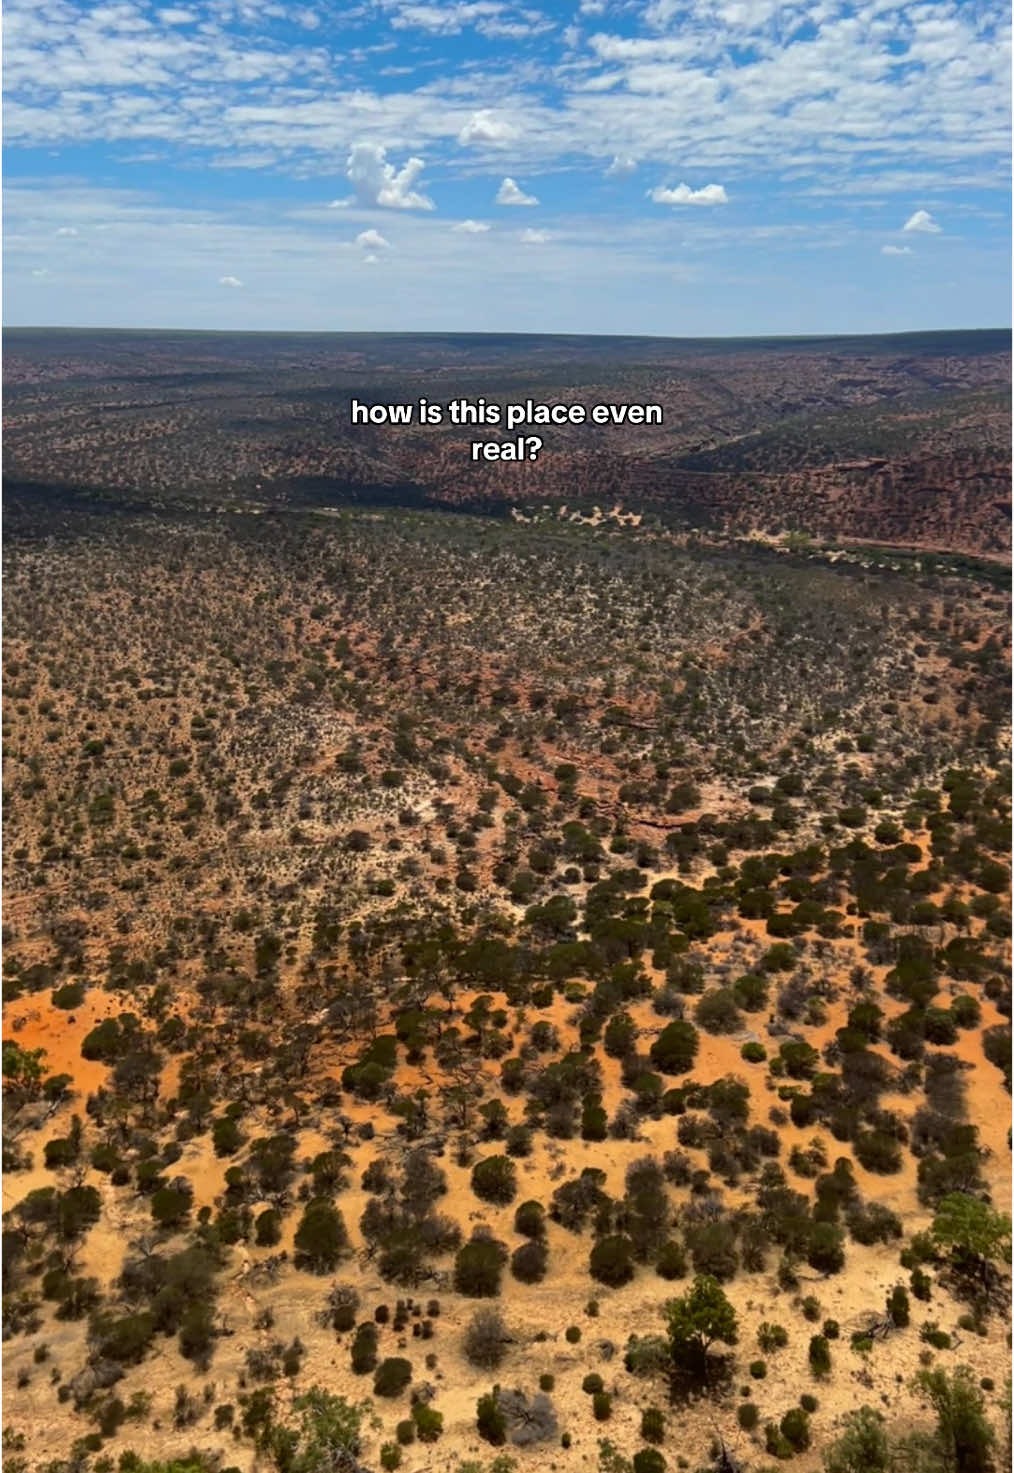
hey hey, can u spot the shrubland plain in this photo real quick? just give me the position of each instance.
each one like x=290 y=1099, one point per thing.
x=496 y=984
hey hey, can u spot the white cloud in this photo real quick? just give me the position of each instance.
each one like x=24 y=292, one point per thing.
x=893 y=250
x=471 y=227
x=923 y=221
x=510 y=194
x=229 y=281
x=533 y=237
x=708 y=194
x=377 y=182
x=372 y=240
x=444 y=20
x=621 y=164
x=484 y=127
x=171 y=16
x=67 y=230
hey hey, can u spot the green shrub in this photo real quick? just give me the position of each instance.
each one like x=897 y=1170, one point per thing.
x=530 y=1220
x=795 y=1428
x=653 y=1424
x=772 y=1337
x=747 y=1415
x=490 y=1420
x=649 y=1460
x=429 y=1422
x=478 y=1267
x=268 y=1229
x=898 y=1306
x=392 y=1376
x=495 y=1180
x=602 y=1406
x=612 y=1260
x=820 y=1356
x=364 y=1348
x=321 y=1238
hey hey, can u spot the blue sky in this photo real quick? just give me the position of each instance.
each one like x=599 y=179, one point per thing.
x=715 y=167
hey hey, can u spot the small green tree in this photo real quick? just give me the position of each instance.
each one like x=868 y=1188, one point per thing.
x=325 y=1435
x=976 y=1235
x=965 y=1437
x=321 y=1238
x=862 y=1446
x=696 y=1320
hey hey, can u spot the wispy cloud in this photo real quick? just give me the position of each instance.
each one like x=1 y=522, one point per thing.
x=470 y=227
x=893 y=250
x=229 y=281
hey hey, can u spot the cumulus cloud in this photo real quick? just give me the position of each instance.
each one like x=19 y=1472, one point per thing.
x=621 y=164
x=484 y=127
x=229 y=281
x=893 y=250
x=376 y=182
x=470 y=227
x=708 y=194
x=533 y=237
x=922 y=220
x=510 y=194
x=372 y=240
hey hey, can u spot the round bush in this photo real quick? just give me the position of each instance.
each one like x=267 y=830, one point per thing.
x=795 y=1428
x=672 y=1260
x=649 y=1460
x=653 y=1424
x=747 y=1415
x=392 y=1376
x=495 y=1180
x=675 y=1049
x=612 y=1260
x=718 y=1011
x=528 y=1263
x=602 y=1406
x=478 y=1267
x=530 y=1219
